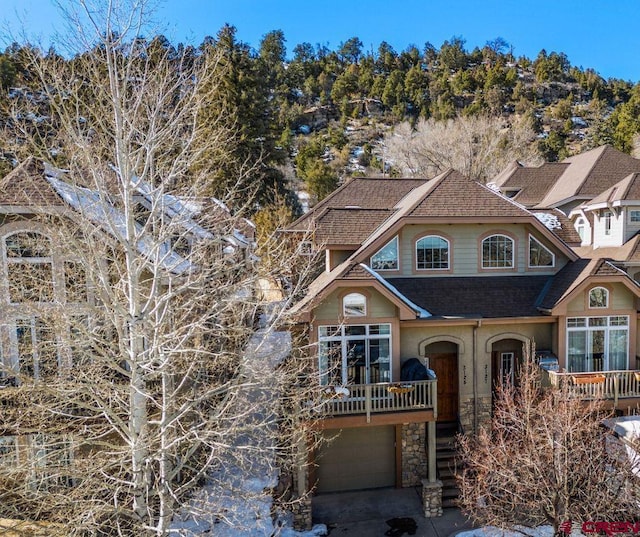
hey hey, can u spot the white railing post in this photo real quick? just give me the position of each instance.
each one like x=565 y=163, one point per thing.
x=367 y=401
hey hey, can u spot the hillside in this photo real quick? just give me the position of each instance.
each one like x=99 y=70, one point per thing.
x=319 y=117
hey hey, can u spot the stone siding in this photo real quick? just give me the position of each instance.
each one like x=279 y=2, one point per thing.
x=414 y=456
x=432 y=498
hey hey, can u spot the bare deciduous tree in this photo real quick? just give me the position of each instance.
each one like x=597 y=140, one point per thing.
x=476 y=146
x=129 y=310
x=546 y=460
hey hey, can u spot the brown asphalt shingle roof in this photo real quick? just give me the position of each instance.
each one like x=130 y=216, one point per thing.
x=533 y=183
x=348 y=226
x=626 y=190
x=475 y=296
x=567 y=231
x=363 y=193
x=590 y=173
x=451 y=194
x=26 y=186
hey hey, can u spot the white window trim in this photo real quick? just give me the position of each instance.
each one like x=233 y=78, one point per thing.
x=415 y=249
x=344 y=339
x=607 y=329
x=397 y=259
x=553 y=256
x=513 y=253
x=607 y=217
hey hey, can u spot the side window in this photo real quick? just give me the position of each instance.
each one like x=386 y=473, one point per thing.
x=539 y=255
x=354 y=305
x=387 y=257
x=29 y=267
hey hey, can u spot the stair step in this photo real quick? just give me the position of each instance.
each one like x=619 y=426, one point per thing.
x=449 y=502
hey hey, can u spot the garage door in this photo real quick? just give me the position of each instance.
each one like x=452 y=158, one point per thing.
x=359 y=458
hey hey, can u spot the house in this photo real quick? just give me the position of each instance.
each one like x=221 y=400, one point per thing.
x=66 y=377
x=463 y=278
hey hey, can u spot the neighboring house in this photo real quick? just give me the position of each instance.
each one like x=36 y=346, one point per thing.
x=463 y=278
x=42 y=287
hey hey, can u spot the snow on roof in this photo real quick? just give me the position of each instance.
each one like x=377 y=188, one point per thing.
x=424 y=314
x=550 y=221
x=113 y=220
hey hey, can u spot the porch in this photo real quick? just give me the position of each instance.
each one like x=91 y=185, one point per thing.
x=620 y=388
x=368 y=400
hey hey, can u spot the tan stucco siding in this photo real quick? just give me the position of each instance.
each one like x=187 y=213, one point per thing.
x=620 y=298
x=377 y=305
x=414 y=339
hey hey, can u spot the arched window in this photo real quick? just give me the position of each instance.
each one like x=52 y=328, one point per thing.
x=354 y=305
x=29 y=267
x=598 y=297
x=432 y=253
x=497 y=252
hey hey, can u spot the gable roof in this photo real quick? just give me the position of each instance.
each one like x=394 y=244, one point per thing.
x=26 y=188
x=572 y=275
x=589 y=174
x=626 y=190
x=347 y=226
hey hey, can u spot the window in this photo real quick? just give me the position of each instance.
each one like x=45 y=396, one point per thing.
x=597 y=343
x=634 y=216
x=497 y=252
x=354 y=354
x=607 y=222
x=354 y=305
x=598 y=297
x=37 y=349
x=29 y=267
x=51 y=458
x=387 y=257
x=539 y=255
x=581 y=228
x=432 y=253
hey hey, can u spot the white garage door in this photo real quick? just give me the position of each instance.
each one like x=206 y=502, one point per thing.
x=359 y=458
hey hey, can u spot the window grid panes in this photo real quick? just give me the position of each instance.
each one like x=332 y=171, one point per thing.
x=634 y=216
x=356 y=354
x=432 y=253
x=597 y=343
x=497 y=252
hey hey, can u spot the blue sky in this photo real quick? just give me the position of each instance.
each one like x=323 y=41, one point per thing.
x=593 y=33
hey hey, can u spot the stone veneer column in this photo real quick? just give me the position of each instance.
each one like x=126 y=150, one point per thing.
x=414 y=456
x=467 y=413
x=432 y=498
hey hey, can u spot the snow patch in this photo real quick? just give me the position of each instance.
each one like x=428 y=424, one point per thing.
x=550 y=221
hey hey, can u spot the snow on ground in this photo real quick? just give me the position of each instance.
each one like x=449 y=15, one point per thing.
x=518 y=531
x=237 y=501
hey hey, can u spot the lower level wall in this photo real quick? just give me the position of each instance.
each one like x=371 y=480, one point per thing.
x=414 y=456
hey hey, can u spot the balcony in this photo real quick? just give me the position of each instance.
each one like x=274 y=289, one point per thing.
x=367 y=400
x=614 y=386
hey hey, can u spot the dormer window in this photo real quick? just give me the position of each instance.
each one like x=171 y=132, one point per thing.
x=387 y=257
x=634 y=216
x=606 y=216
x=581 y=227
x=354 y=305
x=598 y=297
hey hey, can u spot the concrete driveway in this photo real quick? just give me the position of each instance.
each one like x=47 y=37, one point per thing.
x=365 y=513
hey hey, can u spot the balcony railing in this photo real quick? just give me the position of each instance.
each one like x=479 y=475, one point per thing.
x=382 y=397
x=610 y=385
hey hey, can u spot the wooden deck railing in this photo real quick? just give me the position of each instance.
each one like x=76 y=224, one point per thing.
x=383 y=397
x=610 y=385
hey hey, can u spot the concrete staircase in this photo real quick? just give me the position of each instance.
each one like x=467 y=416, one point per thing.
x=446 y=463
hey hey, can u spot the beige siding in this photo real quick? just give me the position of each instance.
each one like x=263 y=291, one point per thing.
x=377 y=305
x=465 y=244
x=620 y=298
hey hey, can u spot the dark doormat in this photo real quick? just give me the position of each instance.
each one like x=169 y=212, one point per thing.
x=401 y=525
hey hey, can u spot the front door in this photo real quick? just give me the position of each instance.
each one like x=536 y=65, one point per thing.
x=445 y=366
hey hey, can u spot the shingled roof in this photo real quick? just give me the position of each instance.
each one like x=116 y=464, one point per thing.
x=530 y=184
x=26 y=186
x=626 y=190
x=360 y=193
x=475 y=296
x=347 y=226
